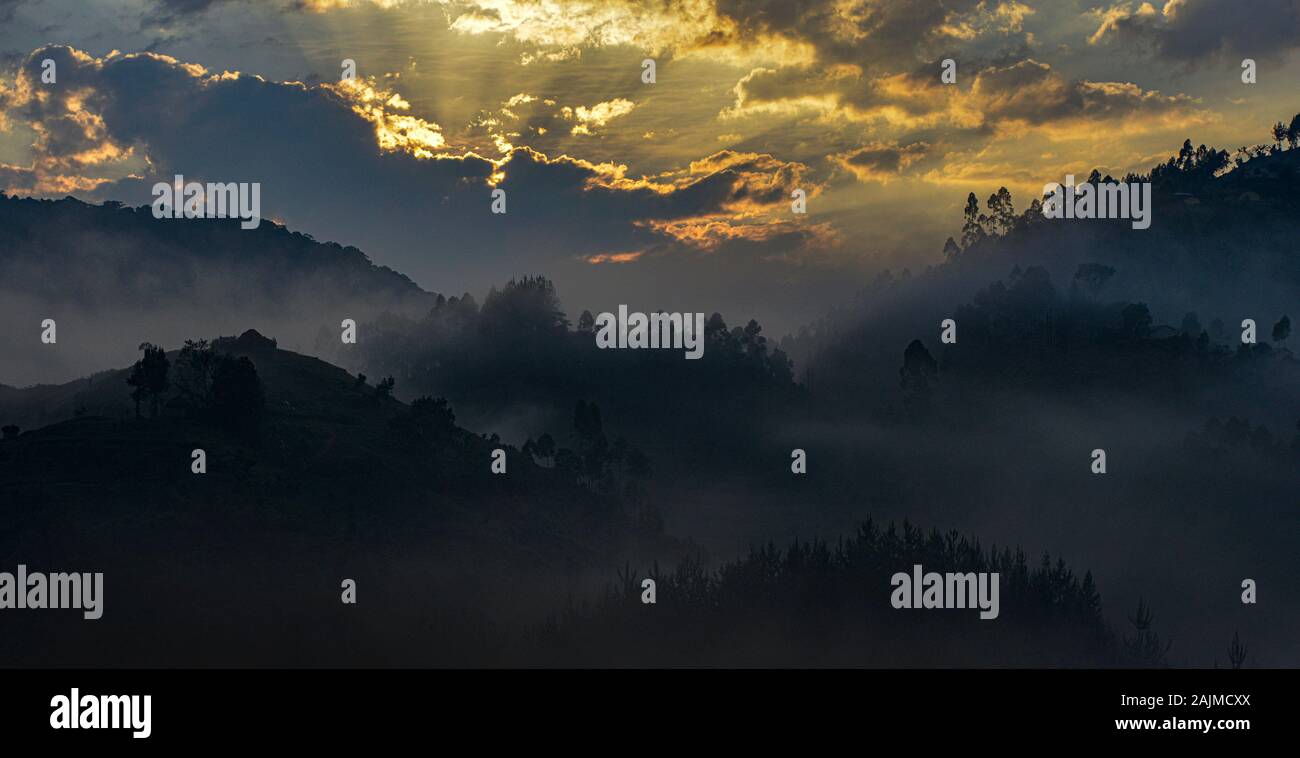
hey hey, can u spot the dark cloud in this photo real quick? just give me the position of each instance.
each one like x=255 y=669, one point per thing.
x=880 y=161
x=1026 y=91
x=856 y=33
x=1032 y=92
x=1190 y=30
x=171 y=11
x=322 y=170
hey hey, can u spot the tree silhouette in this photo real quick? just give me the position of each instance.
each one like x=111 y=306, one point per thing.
x=916 y=378
x=1145 y=647
x=1236 y=651
x=1002 y=214
x=237 y=397
x=545 y=446
x=523 y=309
x=1293 y=131
x=1136 y=319
x=434 y=415
x=971 y=229
x=586 y=421
x=1279 y=134
x=1091 y=277
x=1282 y=329
x=149 y=377
x=384 y=389
x=950 y=249
x=194 y=367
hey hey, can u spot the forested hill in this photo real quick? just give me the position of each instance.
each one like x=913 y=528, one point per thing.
x=108 y=274
x=1222 y=245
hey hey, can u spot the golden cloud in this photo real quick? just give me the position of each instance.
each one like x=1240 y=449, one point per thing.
x=395 y=131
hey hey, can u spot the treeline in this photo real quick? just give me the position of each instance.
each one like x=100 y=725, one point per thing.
x=1191 y=169
x=518 y=355
x=814 y=603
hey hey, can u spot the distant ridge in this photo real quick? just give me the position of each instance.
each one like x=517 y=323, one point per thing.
x=111 y=275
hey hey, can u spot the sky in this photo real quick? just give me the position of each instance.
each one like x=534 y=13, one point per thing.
x=674 y=194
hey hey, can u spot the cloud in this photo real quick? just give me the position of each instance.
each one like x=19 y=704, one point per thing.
x=352 y=162
x=395 y=128
x=1033 y=93
x=72 y=141
x=858 y=32
x=565 y=25
x=7 y=9
x=1024 y=94
x=169 y=12
x=782 y=32
x=180 y=7
x=878 y=161
x=907 y=99
x=1191 y=30
x=597 y=115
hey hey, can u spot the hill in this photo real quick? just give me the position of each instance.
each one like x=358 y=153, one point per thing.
x=109 y=273
x=333 y=480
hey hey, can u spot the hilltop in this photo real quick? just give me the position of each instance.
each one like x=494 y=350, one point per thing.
x=109 y=274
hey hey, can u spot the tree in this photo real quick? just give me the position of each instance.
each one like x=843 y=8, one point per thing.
x=971 y=231
x=593 y=448
x=1136 y=318
x=435 y=415
x=1002 y=214
x=237 y=397
x=149 y=377
x=1091 y=277
x=916 y=378
x=586 y=421
x=586 y=323
x=194 y=367
x=1145 y=647
x=950 y=249
x=1293 y=132
x=524 y=308
x=545 y=446
x=1282 y=329
x=384 y=389
x=568 y=462
x=1279 y=134
x=1236 y=651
